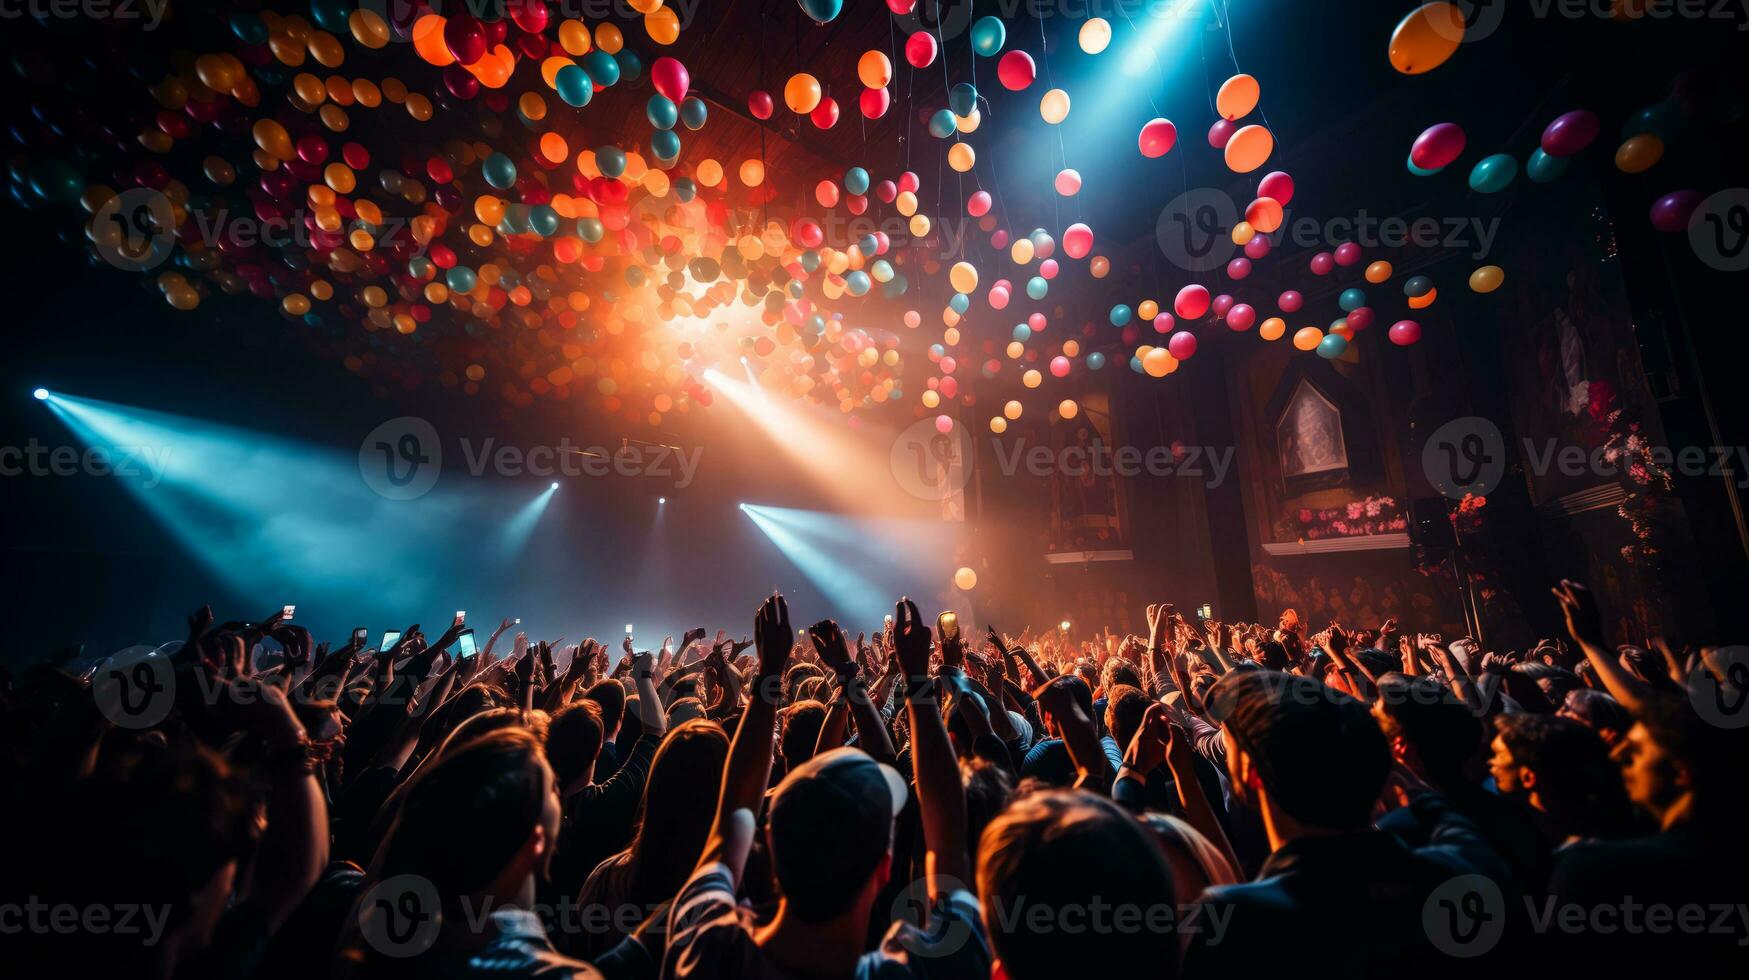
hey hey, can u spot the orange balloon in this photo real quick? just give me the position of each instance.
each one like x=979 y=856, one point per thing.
x=1426 y=38
x=428 y=40
x=1307 y=338
x=1264 y=214
x=1424 y=301
x=1238 y=96
x=663 y=25
x=1249 y=149
x=801 y=93
x=874 y=69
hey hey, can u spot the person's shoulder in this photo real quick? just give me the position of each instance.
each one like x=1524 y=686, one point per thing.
x=1264 y=894
x=950 y=945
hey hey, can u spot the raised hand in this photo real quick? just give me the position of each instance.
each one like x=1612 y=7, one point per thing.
x=911 y=639
x=773 y=635
x=830 y=645
x=1579 y=606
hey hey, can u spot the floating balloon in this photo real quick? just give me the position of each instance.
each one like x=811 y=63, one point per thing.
x=1060 y=366
x=1428 y=36
x=1277 y=185
x=1359 y=318
x=1077 y=241
x=1249 y=149
x=1351 y=299
x=1493 y=174
x=1570 y=132
x=1308 y=338
x=1068 y=183
x=1054 y=107
x=1182 y=345
x=1237 y=97
x=988 y=35
x=821 y=10
x=1241 y=317
x=1157 y=138
x=1239 y=268
x=1663 y=120
x=874 y=69
x=1405 y=332
x=1272 y=329
x=1639 y=154
x=963 y=277
x=1016 y=70
x=965 y=579
x=1417 y=286
x=920 y=49
x=874 y=102
x=801 y=93
x=1673 y=212
x=825 y=115
x=1438 y=146
x=1290 y=302
x=1322 y=264
x=760 y=105
x=1095 y=35
x=1332 y=346
x=1264 y=214
x=670 y=78
x=1120 y=315
x=1422 y=171
x=1192 y=302
x=1347 y=254
x=1543 y=168
x=1221 y=133
x=1378 y=272
x=978 y=204
x=1423 y=301
x=1487 y=278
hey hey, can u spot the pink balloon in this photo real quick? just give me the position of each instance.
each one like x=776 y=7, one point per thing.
x=1037 y=322
x=1221 y=132
x=1241 y=317
x=1277 y=185
x=1405 y=332
x=1016 y=71
x=1048 y=269
x=950 y=387
x=1360 y=318
x=1672 y=212
x=1290 y=301
x=1239 y=268
x=1222 y=304
x=1322 y=263
x=979 y=204
x=909 y=181
x=1068 y=182
x=1059 y=366
x=948 y=364
x=1257 y=247
x=1182 y=345
x=944 y=424
x=1192 y=302
x=887 y=191
x=1437 y=147
x=999 y=238
x=670 y=78
x=920 y=49
x=1158 y=137
x=1162 y=324
x=1077 y=240
x=1570 y=133
x=1347 y=254
x=998 y=298
x=901 y=7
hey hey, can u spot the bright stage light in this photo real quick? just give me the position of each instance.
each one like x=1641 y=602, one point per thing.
x=891 y=556
x=661 y=500
x=1065 y=625
x=41 y=394
x=555 y=484
x=520 y=528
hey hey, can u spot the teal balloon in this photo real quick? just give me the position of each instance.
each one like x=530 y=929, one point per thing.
x=896 y=287
x=810 y=260
x=1022 y=332
x=869 y=244
x=1544 y=169
x=988 y=36
x=1422 y=171
x=1120 y=315
x=942 y=124
x=1663 y=120
x=963 y=99
x=662 y=112
x=330 y=15
x=817 y=323
x=693 y=112
x=249 y=27
x=499 y=171
x=685 y=189
x=601 y=67
x=857 y=282
x=611 y=160
x=856 y=180
x=1095 y=361
x=821 y=10
x=1493 y=174
x=1417 y=286
x=960 y=303
x=461 y=279
x=590 y=229
x=516 y=220
x=543 y=220
x=1332 y=346
x=1351 y=300
x=1136 y=365
x=574 y=86
x=631 y=66
x=1037 y=287
x=881 y=269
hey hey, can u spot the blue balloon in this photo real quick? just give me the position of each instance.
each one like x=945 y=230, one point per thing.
x=1422 y=171
x=960 y=303
x=1022 y=332
x=1493 y=174
x=1351 y=300
x=811 y=260
x=857 y=282
x=821 y=10
x=543 y=220
x=1095 y=361
x=1120 y=315
x=1136 y=365
x=330 y=15
x=963 y=99
x=1037 y=287
x=942 y=124
x=693 y=112
x=603 y=69
x=856 y=180
x=499 y=171
x=988 y=36
x=685 y=189
x=662 y=112
x=1545 y=169
x=1332 y=346
x=249 y=27
x=630 y=65
x=461 y=279
x=574 y=86
x=610 y=160
x=1417 y=287
x=869 y=244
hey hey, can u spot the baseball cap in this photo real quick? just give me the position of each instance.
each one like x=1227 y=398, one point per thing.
x=829 y=825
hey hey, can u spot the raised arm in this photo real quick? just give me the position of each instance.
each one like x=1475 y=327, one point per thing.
x=941 y=797
x=1585 y=625
x=748 y=771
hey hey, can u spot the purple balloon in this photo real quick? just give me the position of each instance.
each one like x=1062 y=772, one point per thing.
x=1438 y=146
x=1570 y=133
x=1221 y=132
x=1672 y=212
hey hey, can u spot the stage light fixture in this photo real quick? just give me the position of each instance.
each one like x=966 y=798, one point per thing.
x=661 y=500
x=555 y=484
x=41 y=394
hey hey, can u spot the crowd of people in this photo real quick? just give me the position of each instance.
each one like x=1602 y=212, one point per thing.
x=1208 y=800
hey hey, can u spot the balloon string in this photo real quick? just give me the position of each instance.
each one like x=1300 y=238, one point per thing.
x=1044 y=55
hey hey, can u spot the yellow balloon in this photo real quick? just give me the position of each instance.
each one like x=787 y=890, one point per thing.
x=1378 y=272
x=1054 y=107
x=801 y=93
x=752 y=173
x=1068 y=409
x=1426 y=38
x=998 y=425
x=1639 y=154
x=965 y=579
x=1012 y=410
x=963 y=276
x=1243 y=233
x=920 y=226
x=1487 y=279
x=1272 y=329
x=1095 y=35
x=710 y=172
x=961 y=157
x=1032 y=379
x=1307 y=338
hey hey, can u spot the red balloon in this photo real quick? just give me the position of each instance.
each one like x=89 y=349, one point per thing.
x=1290 y=301
x=1222 y=304
x=1570 y=133
x=1221 y=132
x=1405 y=332
x=1360 y=318
x=901 y=7
x=825 y=115
x=1241 y=317
x=1323 y=263
x=530 y=15
x=1182 y=345
x=465 y=38
x=1347 y=254
x=887 y=191
x=920 y=49
x=1157 y=138
x=1437 y=147
x=908 y=182
x=1192 y=302
x=874 y=102
x=1239 y=268
x=1672 y=212
x=808 y=233
x=670 y=78
x=1016 y=71
x=979 y=204
x=759 y=104
x=1277 y=185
